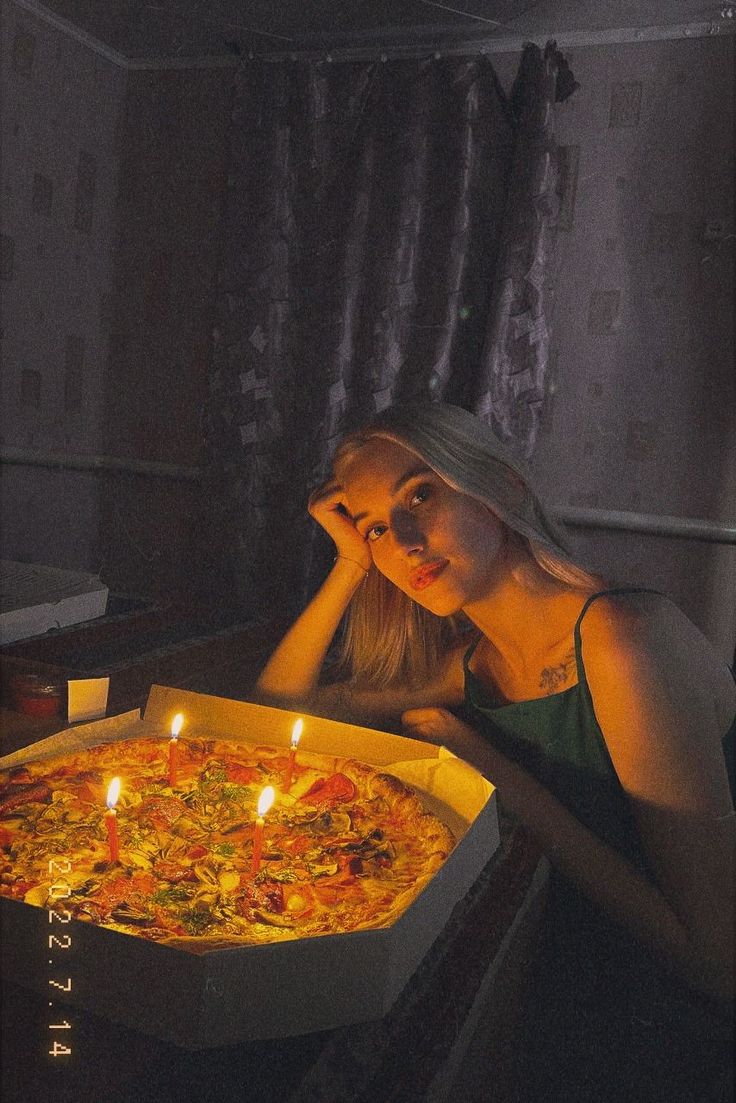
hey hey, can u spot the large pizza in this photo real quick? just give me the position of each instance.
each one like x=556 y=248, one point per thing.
x=345 y=847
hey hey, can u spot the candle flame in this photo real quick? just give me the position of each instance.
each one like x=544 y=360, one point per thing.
x=296 y=731
x=113 y=792
x=266 y=799
x=176 y=724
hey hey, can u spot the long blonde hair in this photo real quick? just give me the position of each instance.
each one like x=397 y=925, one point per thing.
x=389 y=638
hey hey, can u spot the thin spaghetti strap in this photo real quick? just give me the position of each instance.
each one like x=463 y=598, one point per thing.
x=469 y=653
x=578 y=642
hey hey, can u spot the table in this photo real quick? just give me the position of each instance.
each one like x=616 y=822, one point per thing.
x=450 y=1035
x=18 y=730
x=169 y=644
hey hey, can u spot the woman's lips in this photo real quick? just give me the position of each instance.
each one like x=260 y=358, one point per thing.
x=425 y=574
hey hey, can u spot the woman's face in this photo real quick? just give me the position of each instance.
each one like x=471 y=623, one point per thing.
x=439 y=546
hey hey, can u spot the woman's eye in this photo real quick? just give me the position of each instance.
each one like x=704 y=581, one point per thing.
x=375 y=531
x=419 y=495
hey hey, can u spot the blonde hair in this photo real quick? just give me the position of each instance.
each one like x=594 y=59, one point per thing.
x=389 y=638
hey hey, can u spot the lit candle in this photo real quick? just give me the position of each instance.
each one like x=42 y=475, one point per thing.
x=296 y=734
x=111 y=818
x=176 y=725
x=265 y=801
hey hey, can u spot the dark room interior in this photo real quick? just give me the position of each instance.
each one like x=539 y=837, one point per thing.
x=232 y=232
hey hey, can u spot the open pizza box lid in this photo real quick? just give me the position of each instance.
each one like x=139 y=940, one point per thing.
x=232 y=995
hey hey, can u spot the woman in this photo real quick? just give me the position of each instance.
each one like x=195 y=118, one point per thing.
x=601 y=716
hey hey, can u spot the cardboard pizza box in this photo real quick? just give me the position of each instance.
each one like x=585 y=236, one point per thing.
x=244 y=993
x=35 y=598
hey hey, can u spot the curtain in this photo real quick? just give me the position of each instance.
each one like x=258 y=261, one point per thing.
x=386 y=232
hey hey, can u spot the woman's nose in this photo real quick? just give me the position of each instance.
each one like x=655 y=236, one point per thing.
x=407 y=533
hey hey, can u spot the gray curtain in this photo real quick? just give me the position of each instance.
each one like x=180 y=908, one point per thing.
x=385 y=236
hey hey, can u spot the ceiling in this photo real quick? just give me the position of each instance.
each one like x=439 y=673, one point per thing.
x=187 y=29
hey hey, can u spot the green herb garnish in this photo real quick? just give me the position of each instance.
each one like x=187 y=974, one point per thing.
x=225 y=850
x=174 y=895
x=196 y=920
x=213 y=771
x=235 y=792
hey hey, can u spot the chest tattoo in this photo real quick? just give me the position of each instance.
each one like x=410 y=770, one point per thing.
x=553 y=677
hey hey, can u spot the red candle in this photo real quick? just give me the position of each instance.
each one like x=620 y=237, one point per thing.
x=265 y=801
x=257 y=844
x=295 y=737
x=111 y=819
x=176 y=725
x=172 y=761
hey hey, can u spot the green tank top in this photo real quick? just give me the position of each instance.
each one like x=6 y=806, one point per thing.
x=591 y=978
x=558 y=740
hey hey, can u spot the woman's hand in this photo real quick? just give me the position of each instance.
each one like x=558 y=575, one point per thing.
x=442 y=727
x=291 y=675
x=328 y=507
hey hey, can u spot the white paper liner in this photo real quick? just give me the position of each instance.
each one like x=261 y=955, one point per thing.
x=449 y=787
x=79 y=738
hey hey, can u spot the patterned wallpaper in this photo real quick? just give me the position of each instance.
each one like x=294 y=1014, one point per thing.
x=641 y=403
x=111 y=190
x=171 y=184
x=60 y=135
x=111 y=185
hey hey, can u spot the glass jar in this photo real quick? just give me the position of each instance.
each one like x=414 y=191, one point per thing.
x=37 y=694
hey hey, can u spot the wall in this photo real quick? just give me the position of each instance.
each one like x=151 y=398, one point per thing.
x=112 y=182
x=61 y=147
x=642 y=396
x=172 y=181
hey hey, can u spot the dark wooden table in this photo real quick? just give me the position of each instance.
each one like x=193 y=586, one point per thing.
x=450 y=1035
x=170 y=645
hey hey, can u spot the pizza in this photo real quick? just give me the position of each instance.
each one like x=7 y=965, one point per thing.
x=345 y=847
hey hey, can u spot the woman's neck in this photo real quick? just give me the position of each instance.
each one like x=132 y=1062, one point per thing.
x=528 y=613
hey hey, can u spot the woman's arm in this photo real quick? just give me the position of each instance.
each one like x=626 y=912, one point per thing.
x=663 y=702
x=385 y=707
x=665 y=748
x=292 y=671
x=607 y=878
x=291 y=675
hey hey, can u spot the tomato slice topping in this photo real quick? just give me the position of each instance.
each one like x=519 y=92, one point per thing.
x=162 y=811
x=84 y=793
x=268 y=895
x=170 y=871
x=331 y=790
x=296 y=844
x=122 y=888
x=242 y=775
x=20 y=888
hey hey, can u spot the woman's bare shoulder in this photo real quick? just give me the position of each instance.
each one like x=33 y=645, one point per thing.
x=648 y=632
